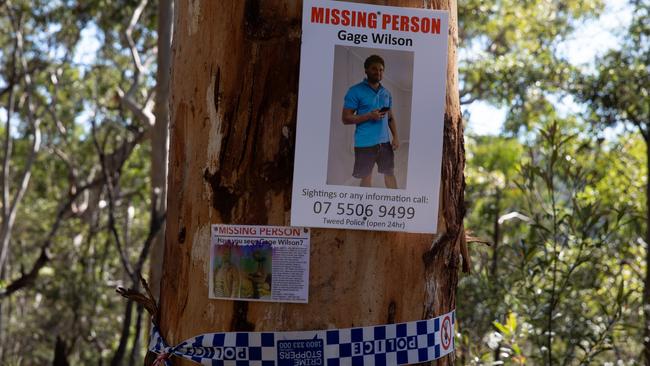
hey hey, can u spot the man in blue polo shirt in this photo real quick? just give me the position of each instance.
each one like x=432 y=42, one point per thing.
x=367 y=105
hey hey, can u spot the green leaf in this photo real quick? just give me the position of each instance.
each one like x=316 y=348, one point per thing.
x=511 y=323
x=503 y=329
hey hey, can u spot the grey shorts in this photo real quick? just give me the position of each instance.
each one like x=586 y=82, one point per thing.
x=366 y=157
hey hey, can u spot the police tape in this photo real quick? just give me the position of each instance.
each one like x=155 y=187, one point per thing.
x=381 y=345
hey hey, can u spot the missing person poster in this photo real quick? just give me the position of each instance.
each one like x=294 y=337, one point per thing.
x=259 y=263
x=370 y=117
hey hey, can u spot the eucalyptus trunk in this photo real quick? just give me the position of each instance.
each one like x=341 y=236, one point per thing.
x=234 y=93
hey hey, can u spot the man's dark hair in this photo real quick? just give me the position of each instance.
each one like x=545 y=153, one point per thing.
x=373 y=59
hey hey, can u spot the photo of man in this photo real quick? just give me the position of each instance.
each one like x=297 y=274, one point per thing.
x=370 y=122
x=367 y=105
x=242 y=271
x=226 y=281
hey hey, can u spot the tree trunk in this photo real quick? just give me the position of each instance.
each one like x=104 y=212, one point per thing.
x=233 y=119
x=160 y=139
x=118 y=356
x=496 y=237
x=646 y=283
x=61 y=351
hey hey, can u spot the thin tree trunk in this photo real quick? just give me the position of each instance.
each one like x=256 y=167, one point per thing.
x=136 y=346
x=496 y=237
x=118 y=356
x=160 y=139
x=233 y=118
x=60 y=353
x=3 y=331
x=646 y=289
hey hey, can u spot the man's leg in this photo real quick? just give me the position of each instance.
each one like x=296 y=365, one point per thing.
x=386 y=165
x=366 y=181
x=390 y=181
x=364 y=162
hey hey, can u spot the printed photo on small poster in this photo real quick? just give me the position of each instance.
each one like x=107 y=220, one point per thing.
x=259 y=263
x=370 y=117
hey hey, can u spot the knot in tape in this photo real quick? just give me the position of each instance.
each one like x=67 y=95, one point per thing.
x=158 y=345
x=161 y=360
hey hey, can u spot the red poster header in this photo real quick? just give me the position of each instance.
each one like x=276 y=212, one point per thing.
x=375 y=20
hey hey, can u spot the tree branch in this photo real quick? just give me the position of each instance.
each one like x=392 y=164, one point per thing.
x=128 y=33
x=28 y=278
x=144 y=114
x=127 y=100
x=108 y=182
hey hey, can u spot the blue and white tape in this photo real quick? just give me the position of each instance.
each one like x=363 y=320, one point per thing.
x=381 y=345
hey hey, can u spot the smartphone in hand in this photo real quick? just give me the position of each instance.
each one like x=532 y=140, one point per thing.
x=384 y=110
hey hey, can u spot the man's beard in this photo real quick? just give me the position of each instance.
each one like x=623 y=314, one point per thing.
x=373 y=79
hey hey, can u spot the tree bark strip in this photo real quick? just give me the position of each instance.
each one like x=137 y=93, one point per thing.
x=233 y=120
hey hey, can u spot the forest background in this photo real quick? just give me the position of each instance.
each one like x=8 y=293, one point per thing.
x=558 y=188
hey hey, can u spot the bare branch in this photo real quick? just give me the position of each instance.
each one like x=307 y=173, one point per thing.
x=468 y=100
x=108 y=182
x=157 y=222
x=127 y=99
x=475 y=239
x=146 y=300
x=129 y=37
x=144 y=114
x=51 y=106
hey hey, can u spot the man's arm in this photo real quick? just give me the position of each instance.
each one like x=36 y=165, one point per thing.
x=349 y=118
x=393 y=130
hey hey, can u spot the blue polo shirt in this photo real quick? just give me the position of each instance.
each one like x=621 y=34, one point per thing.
x=362 y=98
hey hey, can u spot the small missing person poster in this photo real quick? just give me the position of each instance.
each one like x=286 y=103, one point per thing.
x=370 y=117
x=259 y=263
